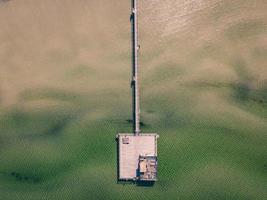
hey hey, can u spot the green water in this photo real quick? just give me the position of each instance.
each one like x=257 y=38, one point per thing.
x=65 y=94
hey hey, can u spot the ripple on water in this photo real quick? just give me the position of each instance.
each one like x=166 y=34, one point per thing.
x=169 y=17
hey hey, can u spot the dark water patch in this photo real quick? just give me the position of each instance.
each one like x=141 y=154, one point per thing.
x=59 y=126
x=145 y=183
x=253 y=100
x=4 y=1
x=260 y=95
x=33 y=124
x=24 y=178
x=242 y=91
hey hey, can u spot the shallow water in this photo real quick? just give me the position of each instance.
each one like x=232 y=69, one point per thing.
x=65 y=93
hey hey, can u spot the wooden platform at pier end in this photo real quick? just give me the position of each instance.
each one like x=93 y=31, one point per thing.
x=130 y=148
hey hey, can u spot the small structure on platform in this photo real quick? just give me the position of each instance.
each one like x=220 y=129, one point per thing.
x=137 y=153
x=147 y=167
x=137 y=157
